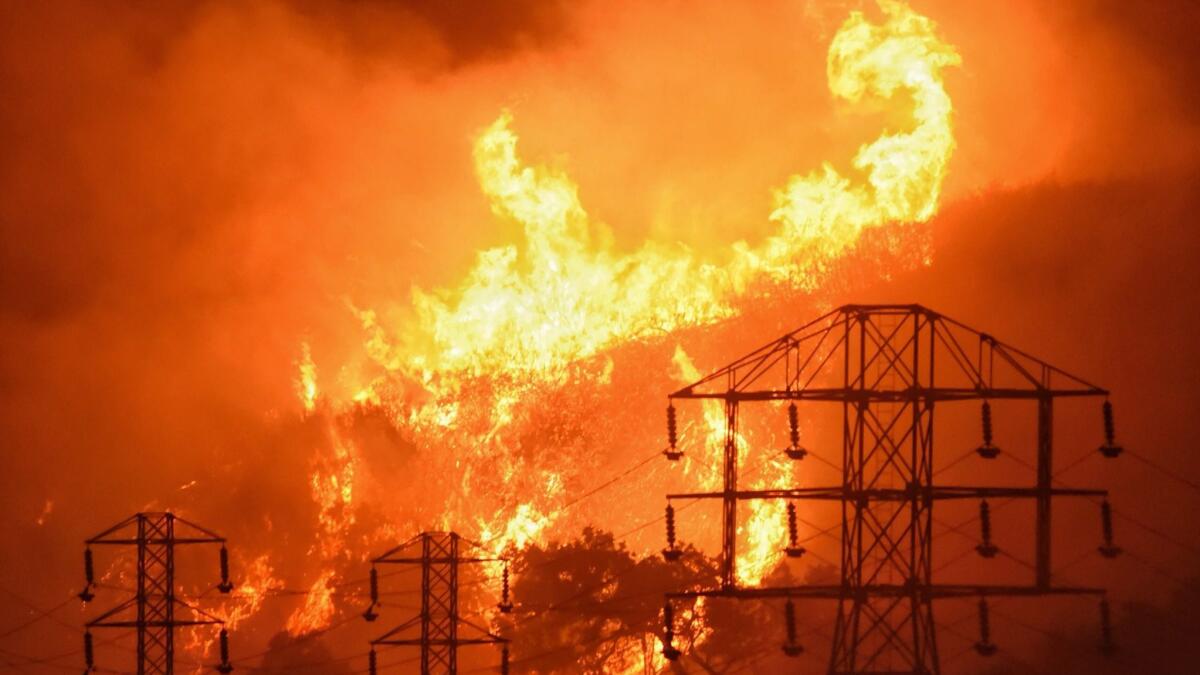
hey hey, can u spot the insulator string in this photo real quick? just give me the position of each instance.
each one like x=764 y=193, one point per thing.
x=791 y=515
x=672 y=431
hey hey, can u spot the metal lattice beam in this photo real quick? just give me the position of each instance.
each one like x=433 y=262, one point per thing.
x=439 y=621
x=888 y=366
x=151 y=612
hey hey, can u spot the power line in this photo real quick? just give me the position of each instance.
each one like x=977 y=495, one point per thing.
x=1164 y=470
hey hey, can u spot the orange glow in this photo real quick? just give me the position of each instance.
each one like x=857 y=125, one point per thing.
x=461 y=359
x=306 y=382
x=568 y=293
x=256 y=583
x=318 y=609
x=444 y=277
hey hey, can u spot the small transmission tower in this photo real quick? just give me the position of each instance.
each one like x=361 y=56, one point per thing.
x=436 y=628
x=887 y=366
x=151 y=611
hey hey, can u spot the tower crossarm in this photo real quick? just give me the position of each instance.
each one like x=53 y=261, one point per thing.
x=797 y=365
x=151 y=611
x=436 y=561
x=858 y=394
x=837 y=592
x=125 y=533
x=435 y=629
x=939 y=492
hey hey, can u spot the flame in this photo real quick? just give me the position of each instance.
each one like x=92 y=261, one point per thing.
x=332 y=486
x=764 y=536
x=318 y=609
x=47 y=509
x=714 y=427
x=637 y=656
x=760 y=536
x=568 y=294
x=520 y=530
x=457 y=368
x=824 y=212
x=306 y=382
x=257 y=582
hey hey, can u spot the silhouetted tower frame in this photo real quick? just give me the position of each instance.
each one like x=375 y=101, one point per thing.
x=152 y=609
x=885 y=365
x=440 y=555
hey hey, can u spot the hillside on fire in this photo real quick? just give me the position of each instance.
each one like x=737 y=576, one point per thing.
x=794 y=336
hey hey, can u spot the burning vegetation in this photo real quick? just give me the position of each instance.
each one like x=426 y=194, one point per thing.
x=512 y=393
x=504 y=393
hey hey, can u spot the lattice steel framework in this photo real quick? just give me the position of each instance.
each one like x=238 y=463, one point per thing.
x=887 y=366
x=439 y=620
x=152 y=609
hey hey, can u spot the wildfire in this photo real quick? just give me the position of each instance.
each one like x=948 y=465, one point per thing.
x=462 y=364
x=761 y=534
x=306 y=383
x=522 y=528
x=822 y=214
x=257 y=583
x=317 y=611
x=333 y=490
x=568 y=294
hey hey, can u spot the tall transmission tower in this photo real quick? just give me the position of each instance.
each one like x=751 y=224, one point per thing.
x=888 y=366
x=151 y=611
x=436 y=629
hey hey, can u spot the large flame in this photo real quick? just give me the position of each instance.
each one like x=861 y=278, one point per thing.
x=567 y=294
x=459 y=363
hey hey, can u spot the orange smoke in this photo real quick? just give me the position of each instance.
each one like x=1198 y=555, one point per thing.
x=221 y=207
x=568 y=293
x=531 y=315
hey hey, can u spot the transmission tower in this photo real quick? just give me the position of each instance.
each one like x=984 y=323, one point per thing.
x=151 y=611
x=438 y=554
x=888 y=365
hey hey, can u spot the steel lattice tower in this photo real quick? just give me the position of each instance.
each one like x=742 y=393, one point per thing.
x=151 y=611
x=439 y=620
x=887 y=366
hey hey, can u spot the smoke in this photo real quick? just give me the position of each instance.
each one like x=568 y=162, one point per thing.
x=1162 y=35
x=1090 y=276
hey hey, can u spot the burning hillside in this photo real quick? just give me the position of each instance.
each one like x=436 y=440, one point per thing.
x=507 y=386
x=325 y=277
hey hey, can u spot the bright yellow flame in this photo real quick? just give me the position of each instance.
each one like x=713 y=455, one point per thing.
x=761 y=534
x=543 y=310
x=520 y=530
x=332 y=487
x=317 y=611
x=714 y=427
x=824 y=212
x=256 y=583
x=568 y=294
x=306 y=382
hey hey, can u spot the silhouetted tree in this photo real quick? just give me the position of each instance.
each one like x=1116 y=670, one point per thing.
x=590 y=605
x=308 y=655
